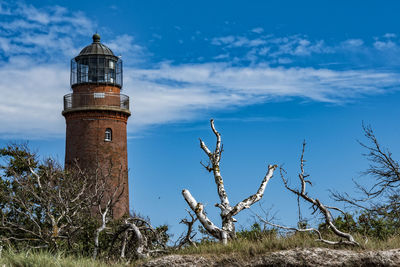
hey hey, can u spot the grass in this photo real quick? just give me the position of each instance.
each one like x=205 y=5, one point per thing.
x=269 y=243
x=40 y=259
x=242 y=248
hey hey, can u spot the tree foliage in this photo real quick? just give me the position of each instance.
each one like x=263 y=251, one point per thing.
x=43 y=206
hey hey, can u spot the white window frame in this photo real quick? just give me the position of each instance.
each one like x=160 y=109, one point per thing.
x=108 y=135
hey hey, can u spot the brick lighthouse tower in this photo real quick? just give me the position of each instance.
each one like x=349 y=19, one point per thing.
x=96 y=115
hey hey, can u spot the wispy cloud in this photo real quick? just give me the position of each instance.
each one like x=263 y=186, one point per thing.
x=352 y=43
x=124 y=45
x=390 y=35
x=32 y=86
x=258 y=30
x=52 y=34
x=237 y=41
x=47 y=33
x=258 y=47
x=32 y=106
x=295 y=45
x=35 y=48
x=173 y=93
x=31 y=101
x=385 y=45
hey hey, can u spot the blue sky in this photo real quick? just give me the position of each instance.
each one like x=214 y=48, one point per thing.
x=271 y=74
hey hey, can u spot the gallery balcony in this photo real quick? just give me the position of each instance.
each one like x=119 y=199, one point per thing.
x=96 y=101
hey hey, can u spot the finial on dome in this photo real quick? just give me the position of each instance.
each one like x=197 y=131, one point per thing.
x=96 y=38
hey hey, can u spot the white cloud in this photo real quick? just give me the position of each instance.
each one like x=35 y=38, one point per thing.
x=47 y=34
x=263 y=51
x=272 y=46
x=258 y=30
x=387 y=45
x=124 y=45
x=296 y=46
x=32 y=86
x=31 y=100
x=383 y=45
x=180 y=93
x=237 y=41
x=222 y=56
x=390 y=35
x=50 y=34
x=223 y=40
x=32 y=106
x=350 y=43
x=36 y=46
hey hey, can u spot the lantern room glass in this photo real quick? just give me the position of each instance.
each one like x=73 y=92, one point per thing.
x=96 y=69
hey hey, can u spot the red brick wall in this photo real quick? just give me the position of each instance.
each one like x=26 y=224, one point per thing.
x=85 y=134
x=94 y=88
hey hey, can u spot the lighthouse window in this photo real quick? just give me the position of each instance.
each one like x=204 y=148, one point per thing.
x=108 y=135
x=111 y=64
x=83 y=73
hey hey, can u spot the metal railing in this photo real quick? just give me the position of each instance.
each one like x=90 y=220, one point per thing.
x=96 y=100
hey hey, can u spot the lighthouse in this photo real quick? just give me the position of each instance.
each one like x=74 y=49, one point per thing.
x=96 y=114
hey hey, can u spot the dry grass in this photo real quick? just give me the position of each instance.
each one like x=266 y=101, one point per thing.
x=40 y=259
x=270 y=243
x=242 y=248
x=376 y=244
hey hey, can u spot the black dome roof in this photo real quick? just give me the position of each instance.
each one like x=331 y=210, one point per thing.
x=96 y=48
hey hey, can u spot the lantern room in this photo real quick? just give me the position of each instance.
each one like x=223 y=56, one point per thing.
x=96 y=64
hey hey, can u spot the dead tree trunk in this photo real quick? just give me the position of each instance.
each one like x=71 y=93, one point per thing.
x=227 y=231
x=317 y=206
x=104 y=198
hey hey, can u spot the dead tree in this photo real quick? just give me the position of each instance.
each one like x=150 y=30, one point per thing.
x=227 y=231
x=103 y=202
x=41 y=203
x=379 y=202
x=386 y=172
x=317 y=207
x=140 y=239
x=187 y=238
x=44 y=206
x=136 y=238
x=382 y=166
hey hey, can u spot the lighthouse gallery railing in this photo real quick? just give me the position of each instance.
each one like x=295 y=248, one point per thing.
x=95 y=100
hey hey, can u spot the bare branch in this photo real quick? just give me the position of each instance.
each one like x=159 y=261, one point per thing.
x=316 y=204
x=227 y=212
x=188 y=237
x=383 y=167
x=140 y=240
x=198 y=209
x=218 y=148
x=205 y=149
x=246 y=203
x=214 y=160
x=291 y=228
x=207 y=167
